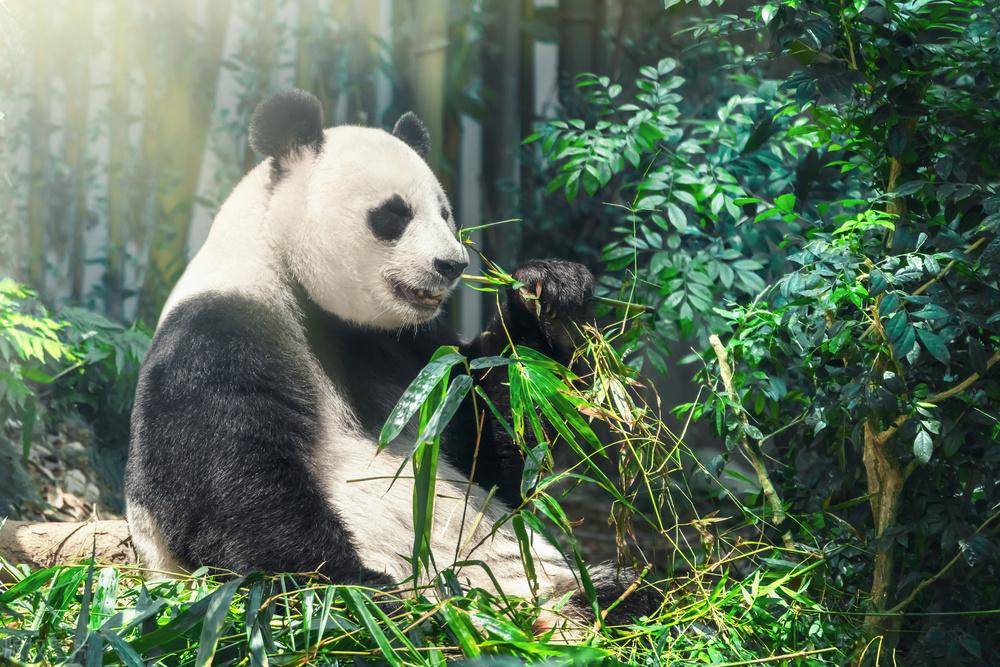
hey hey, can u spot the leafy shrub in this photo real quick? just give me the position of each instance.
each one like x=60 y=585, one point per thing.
x=77 y=359
x=839 y=230
x=30 y=346
x=703 y=204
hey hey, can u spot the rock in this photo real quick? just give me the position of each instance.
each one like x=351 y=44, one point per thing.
x=75 y=451
x=75 y=482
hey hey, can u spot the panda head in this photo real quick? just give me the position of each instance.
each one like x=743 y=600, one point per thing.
x=357 y=217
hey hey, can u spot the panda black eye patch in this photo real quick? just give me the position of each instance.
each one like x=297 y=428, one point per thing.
x=389 y=219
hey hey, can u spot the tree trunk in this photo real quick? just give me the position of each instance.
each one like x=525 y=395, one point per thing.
x=178 y=125
x=265 y=64
x=40 y=130
x=502 y=58
x=39 y=545
x=78 y=36
x=118 y=160
x=885 y=489
x=578 y=44
x=305 y=40
x=361 y=67
x=427 y=73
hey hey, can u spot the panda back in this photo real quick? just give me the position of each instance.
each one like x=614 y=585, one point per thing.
x=223 y=424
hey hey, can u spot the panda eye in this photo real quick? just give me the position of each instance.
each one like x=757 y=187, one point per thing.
x=389 y=219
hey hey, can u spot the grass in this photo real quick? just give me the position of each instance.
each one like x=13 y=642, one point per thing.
x=92 y=615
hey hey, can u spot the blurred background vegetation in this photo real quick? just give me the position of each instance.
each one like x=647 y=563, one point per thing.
x=803 y=197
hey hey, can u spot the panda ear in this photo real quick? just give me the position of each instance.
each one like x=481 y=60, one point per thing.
x=412 y=131
x=286 y=122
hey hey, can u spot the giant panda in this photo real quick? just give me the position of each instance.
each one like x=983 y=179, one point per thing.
x=313 y=303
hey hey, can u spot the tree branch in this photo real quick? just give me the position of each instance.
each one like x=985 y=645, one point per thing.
x=940 y=573
x=756 y=461
x=937 y=398
x=59 y=543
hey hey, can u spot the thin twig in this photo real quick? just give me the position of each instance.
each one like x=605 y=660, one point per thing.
x=940 y=573
x=627 y=592
x=776 y=658
x=947 y=267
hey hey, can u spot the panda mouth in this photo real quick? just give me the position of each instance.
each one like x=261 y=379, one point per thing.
x=421 y=298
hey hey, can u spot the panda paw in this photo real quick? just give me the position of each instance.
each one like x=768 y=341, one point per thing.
x=555 y=290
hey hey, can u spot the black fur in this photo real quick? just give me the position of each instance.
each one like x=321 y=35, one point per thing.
x=412 y=131
x=284 y=123
x=224 y=425
x=225 y=422
x=610 y=584
x=389 y=219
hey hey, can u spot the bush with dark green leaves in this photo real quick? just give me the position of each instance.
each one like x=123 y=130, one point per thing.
x=837 y=228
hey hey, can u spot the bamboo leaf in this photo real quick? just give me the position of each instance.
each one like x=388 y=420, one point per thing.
x=358 y=603
x=442 y=416
x=417 y=393
x=215 y=617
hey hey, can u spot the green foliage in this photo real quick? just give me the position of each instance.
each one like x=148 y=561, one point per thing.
x=77 y=359
x=702 y=202
x=30 y=346
x=102 y=615
x=839 y=229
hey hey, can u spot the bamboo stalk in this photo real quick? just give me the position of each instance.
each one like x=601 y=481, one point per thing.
x=119 y=148
x=78 y=34
x=179 y=126
x=40 y=131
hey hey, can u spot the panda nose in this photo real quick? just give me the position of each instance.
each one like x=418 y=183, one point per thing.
x=449 y=268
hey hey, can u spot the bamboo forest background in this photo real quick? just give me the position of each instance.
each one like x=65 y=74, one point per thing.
x=124 y=123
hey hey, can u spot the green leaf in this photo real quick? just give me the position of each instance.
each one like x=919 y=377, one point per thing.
x=935 y=344
x=28 y=414
x=460 y=627
x=30 y=584
x=125 y=652
x=417 y=393
x=359 y=604
x=897 y=140
x=785 y=203
x=215 y=617
x=931 y=311
x=676 y=216
x=923 y=447
x=901 y=333
x=457 y=391
x=489 y=362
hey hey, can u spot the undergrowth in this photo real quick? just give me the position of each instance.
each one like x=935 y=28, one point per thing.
x=103 y=615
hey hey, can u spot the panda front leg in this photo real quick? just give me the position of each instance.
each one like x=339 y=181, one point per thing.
x=542 y=315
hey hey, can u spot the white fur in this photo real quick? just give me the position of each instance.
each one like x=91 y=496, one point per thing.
x=361 y=484
x=148 y=541
x=319 y=215
x=239 y=253
x=314 y=223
